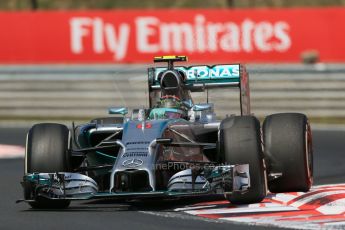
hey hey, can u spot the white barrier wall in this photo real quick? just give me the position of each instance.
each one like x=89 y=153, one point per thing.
x=84 y=92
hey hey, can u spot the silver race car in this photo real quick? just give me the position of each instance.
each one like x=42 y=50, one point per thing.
x=174 y=148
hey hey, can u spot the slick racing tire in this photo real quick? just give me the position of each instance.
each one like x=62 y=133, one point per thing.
x=240 y=143
x=47 y=151
x=288 y=150
x=107 y=120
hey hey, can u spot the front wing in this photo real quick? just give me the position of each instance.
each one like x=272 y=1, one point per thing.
x=76 y=186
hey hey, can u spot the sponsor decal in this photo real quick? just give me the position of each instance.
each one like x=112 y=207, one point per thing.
x=132 y=163
x=198 y=35
x=207 y=72
x=135 y=154
x=135 y=36
x=146 y=125
x=106 y=37
x=137 y=143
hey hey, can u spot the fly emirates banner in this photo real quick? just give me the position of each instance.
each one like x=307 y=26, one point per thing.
x=135 y=36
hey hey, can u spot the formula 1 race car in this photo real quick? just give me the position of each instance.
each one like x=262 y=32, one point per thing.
x=174 y=148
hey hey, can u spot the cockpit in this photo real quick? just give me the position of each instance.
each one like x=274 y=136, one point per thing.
x=166 y=113
x=169 y=95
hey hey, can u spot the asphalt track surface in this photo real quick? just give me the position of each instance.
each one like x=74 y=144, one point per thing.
x=329 y=158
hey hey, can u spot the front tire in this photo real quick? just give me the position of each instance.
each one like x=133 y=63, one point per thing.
x=288 y=150
x=240 y=143
x=47 y=151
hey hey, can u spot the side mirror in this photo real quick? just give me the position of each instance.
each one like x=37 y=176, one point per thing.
x=202 y=107
x=118 y=110
x=188 y=103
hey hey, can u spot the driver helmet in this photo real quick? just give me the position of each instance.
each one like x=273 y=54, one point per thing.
x=170 y=101
x=169 y=107
x=166 y=113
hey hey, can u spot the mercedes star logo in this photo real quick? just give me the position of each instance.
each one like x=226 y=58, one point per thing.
x=132 y=163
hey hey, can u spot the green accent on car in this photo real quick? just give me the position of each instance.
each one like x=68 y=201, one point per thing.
x=105 y=155
x=118 y=110
x=160 y=113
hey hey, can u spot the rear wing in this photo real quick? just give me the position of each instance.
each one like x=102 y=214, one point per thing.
x=201 y=77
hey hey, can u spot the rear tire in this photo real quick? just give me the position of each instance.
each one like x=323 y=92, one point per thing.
x=47 y=151
x=288 y=150
x=240 y=143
